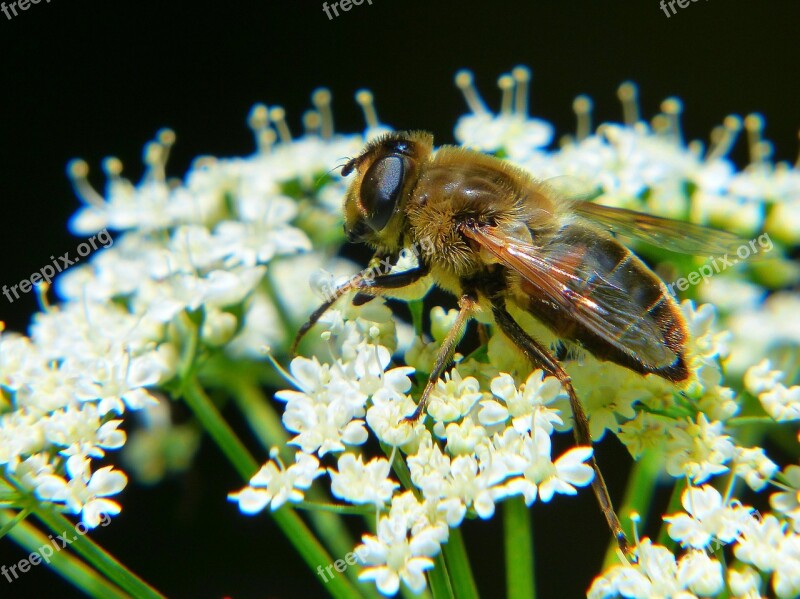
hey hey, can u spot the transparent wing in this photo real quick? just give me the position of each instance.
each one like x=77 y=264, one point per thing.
x=563 y=276
x=673 y=235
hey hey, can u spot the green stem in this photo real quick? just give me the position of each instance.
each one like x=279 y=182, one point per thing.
x=455 y=554
x=673 y=506
x=209 y=417
x=518 y=535
x=439 y=580
x=334 y=508
x=69 y=567
x=10 y=523
x=638 y=495
x=266 y=425
x=97 y=557
x=739 y=421
x=289 y=522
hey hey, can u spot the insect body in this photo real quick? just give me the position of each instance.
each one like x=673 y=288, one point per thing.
x=499 y=238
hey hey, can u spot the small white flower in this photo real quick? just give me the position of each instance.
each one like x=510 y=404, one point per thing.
x=781 y=403
x=273 y=485
x=453 y=396
x=541 y=475
x=86 y=491
x=760 y=378
x=528 y=407
x=754 y=466
x=706 y=518
x=698 y=450
x=399 y=551
x=357 y=482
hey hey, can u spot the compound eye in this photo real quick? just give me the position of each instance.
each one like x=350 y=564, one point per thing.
x=380 y=190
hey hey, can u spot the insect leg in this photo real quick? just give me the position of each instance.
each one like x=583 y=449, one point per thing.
x=466 y=306
x=372 y=286
x=539 y=355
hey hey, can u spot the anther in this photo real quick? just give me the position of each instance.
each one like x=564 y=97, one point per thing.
x=628 y=95
x=506 y=85
x=311 y=122
x=278 y=116
x=522 y=77
x=258 y=119
x=321 y=98
x=465 y=82
x=754 y=125
x=672 y=108
x=112 y=167
x=366 y=101
x=583 y=111
x=78 y=173
x=723 y=138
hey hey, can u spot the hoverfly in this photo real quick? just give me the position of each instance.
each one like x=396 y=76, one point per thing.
x=501 y=238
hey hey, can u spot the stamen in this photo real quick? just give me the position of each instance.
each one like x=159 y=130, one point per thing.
x=312 y=122
x=166 y=137
x=258 y=118
x=672 y=108
x=153 y=157
x=506 y=85
x=464 y=82
x=321 y=98
x=366 y=101
x=660 y=124
x=724 y=137
x=267 y=351
x=112 y=167
x=628 y=95
x=275 y=456
x=765 y=150
x=635 y=519
x=754 y=124
x=696 y=148
x=522 y=76
x=266 y=139
x=78 y=173
x=278 y=116
x=258 y=121
x=583 y=111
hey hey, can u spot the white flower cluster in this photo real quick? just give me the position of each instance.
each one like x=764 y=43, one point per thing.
x=194 y=254
x=486 y=445
x=761 y=546
x=206 y=271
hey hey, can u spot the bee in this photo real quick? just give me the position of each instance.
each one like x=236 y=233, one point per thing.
x=501 y=239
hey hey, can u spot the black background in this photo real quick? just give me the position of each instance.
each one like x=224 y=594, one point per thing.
x=89 y=78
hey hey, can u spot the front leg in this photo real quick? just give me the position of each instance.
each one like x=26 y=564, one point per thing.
x=466 y=308
x=363 y=284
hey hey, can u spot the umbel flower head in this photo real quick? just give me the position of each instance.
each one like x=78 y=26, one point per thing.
x=207 y=271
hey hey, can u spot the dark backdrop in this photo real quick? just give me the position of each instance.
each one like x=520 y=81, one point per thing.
x=91 y=78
